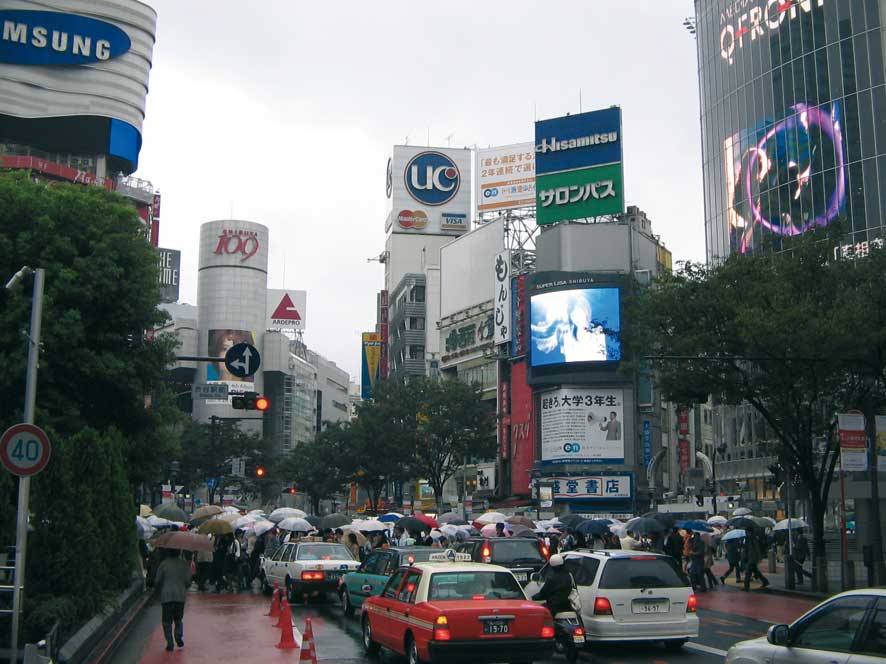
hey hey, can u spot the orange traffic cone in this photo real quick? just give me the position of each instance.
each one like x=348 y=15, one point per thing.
x=275 y=603
x=285 y=617
x=308 y=654
x=287 y=639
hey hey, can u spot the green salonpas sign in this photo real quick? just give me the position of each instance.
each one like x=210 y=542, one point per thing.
x=588 y=192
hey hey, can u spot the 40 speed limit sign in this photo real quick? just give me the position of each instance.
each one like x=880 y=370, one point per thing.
x=25 y=449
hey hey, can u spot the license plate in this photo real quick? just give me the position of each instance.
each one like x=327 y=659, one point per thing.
x=332 y=576
x=577 y=638
x=649 y=606
x=496 y=627
x=521 y=576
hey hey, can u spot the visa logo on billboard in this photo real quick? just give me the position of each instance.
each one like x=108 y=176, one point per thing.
x=432 y=178
x=578 y=141
x=54 y=38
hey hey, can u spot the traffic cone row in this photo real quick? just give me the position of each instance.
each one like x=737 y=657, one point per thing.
x=287 y=638
x=275 y=603
x=308 y=654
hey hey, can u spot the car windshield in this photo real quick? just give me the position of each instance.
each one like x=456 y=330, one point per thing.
x=474 y=585
x=511 y=551
x=642 y=572
x=409 y=557
x=323 y=552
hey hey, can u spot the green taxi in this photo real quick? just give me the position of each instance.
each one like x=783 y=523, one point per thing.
x=373 y=573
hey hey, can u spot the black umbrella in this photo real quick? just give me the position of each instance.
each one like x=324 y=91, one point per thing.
x=571 y=520
x=313 y=520
x=742 y=522
x=666 y=519
x=333 y=521
x=646 y=526
x=413 y=525
x=592 y=527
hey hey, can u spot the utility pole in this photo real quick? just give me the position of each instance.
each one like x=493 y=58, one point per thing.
x=877 y=565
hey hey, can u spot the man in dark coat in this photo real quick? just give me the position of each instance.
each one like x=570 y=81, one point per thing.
x=172 y=581
x=555 y=591
x=751 y=556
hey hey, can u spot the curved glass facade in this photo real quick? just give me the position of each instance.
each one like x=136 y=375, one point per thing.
x=793 y=119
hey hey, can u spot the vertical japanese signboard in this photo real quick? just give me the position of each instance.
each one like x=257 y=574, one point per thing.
x=683 y=440
x=881 y=443
x=647 y=442
x=853 y=441
x=502 y=298
x=371 y=357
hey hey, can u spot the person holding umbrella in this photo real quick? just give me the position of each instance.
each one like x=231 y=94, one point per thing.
x=751 y=556
x=733 y=557
x=172 y=581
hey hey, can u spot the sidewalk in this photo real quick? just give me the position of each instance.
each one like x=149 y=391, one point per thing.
x=777 y=582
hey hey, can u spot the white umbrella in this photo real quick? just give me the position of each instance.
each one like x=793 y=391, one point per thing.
x=717 y=520
x=261 y=527
x=738 y=533
x=159 y=521
x=372 y=526
x=741 y=511
x=230 y=509
x=491 y=517
x=145 y=529
x=790 y=524
x=230 y=517
x=284 y=513
x=296 y=524
x=246 y=521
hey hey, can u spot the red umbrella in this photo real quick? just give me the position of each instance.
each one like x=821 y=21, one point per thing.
x=424 y=518
x=176 y=539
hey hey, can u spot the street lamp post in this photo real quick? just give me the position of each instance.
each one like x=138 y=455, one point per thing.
x=721 y=449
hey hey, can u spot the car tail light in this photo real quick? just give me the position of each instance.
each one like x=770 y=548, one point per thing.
x=692 y=604
x=545 y=551
x=579 y=631
x=312 y=576
x=642 y=557
x=602 y=607
x=486 y=553
x=547 y=632
x=441 y=629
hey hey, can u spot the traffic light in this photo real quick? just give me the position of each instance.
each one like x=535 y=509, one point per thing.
x=260 y=472
x=250 y=401
x=292 y=490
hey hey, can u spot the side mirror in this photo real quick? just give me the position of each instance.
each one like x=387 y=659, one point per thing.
x=779 y=635
x=534 y=577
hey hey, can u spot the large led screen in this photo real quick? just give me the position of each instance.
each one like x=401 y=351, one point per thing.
x=578 y=325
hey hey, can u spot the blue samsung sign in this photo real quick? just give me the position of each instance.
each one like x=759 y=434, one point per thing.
x=578 y=141
x=54 y=38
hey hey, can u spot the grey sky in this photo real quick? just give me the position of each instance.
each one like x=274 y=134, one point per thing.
x=284 y=112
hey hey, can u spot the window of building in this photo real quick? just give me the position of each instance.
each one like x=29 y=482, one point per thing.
x=417 y=294
x=416 y=352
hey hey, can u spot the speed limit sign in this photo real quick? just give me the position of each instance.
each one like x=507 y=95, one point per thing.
x=25 y=449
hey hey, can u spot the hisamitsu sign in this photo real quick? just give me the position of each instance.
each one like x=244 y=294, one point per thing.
x=55 y=38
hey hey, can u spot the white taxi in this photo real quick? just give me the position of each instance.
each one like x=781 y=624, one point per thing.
x=630 y=596
x=308 y=568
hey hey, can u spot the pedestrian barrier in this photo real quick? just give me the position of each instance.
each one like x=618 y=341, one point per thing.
x=275 y=603
x=287 y=638
x=308 y=654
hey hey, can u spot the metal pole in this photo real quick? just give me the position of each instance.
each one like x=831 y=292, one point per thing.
x=874 y=474
x=24 y=483
x=714 y=492
x=789 y=564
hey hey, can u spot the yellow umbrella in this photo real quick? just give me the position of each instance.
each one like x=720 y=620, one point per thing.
x=215 y=527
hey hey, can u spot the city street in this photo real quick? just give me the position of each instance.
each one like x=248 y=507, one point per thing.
x=233 y=627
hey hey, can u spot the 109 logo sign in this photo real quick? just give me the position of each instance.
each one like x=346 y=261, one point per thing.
x=432 y=178
x=234 y=242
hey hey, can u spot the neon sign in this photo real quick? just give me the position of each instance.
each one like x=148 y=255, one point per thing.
x=745 y=21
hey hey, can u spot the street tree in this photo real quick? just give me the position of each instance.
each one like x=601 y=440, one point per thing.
x=315 y=467
x=772 y=331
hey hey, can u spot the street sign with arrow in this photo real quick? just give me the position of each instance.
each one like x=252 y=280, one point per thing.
x=242 y=360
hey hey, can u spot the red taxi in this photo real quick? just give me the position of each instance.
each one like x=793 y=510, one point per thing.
x=452 y=609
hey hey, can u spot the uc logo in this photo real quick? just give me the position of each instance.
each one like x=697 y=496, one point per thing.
x=572 y=448
x=432 y=178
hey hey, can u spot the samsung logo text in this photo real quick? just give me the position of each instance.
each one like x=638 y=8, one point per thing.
x=54 y=38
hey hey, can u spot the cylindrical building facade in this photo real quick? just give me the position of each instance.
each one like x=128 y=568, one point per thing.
x=793 y=106
x=231 y=287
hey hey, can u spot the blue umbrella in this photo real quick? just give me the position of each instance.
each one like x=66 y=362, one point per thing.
x=700 y=526
x=390 y=517
x=738 y=533
x=593 y=527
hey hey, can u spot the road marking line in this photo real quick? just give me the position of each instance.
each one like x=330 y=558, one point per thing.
x=705 y=649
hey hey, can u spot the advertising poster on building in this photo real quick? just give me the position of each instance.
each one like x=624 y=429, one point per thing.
x=853 y=441
x=881 y=443
x=371 y=356
x=169 y=265
x=606 y=487
x=579 y=171
x=287 y=309
x=505 y=177
x=582 y=425
x=219 y=343
x=577 y=325
x=502 y=297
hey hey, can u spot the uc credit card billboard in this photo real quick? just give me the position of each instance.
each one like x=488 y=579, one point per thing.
x=578 y=165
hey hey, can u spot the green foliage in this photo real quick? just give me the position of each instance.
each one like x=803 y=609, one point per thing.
x=797 y=335
x=316 y=467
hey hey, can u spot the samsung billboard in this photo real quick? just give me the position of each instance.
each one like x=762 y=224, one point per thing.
x=74 y=77
x=578 y=165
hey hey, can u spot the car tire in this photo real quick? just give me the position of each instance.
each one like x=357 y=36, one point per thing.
x=412 y=650
x=675 y=644
x=346 y=606
x=369 y=646
x=266 y=587
x=291 y=596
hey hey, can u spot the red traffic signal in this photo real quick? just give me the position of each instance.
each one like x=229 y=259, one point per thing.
x=250 y=401
x=292 y=490
x=259 y=472
x=262 y=403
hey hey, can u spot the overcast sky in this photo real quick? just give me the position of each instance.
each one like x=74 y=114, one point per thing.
x=284 y=112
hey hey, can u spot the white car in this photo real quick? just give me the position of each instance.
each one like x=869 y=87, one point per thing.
x=308 y=568
x=849 y=628
x=630 y=596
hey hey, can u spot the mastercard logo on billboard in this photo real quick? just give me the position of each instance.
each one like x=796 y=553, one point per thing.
x=410 y=219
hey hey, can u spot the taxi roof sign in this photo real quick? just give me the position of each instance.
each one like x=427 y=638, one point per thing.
x=449 y=556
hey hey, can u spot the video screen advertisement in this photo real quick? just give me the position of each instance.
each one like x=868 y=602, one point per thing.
x=578 y=165
x=574 y=324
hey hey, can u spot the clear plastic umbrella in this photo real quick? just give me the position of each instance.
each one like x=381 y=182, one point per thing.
x=491 y=517
x=790 y=524
x=741 y=511
x=295 y=524
x=284 y=513
x=717 y=520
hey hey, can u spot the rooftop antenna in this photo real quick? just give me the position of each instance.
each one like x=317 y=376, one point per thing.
x=579 y=100
x=429 y=137
x=407 y=141
x=449 y=140
x=232 y=210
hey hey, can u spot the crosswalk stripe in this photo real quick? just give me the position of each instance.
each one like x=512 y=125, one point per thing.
x=705 y=649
